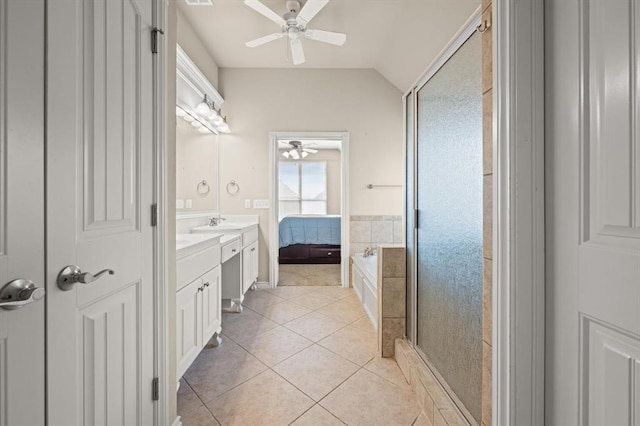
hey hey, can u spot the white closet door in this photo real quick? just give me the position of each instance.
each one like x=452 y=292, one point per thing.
x=99 y=196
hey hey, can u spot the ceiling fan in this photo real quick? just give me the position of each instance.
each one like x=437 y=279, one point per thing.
x=298 y=150
x=294 y=25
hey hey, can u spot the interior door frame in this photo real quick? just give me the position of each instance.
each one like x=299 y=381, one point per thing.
x=273 y=198
x=161 y=290
x=518 y=214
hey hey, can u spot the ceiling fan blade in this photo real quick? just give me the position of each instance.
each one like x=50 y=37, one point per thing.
x=326 y=36
x=310 y=150
x=309 y=10
x=265 y=11
x=264 y=40
x=297 y=53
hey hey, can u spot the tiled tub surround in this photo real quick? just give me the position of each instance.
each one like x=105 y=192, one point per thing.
x=372 y=231
x=299 y=356
x=391 y=298
x=380 y=283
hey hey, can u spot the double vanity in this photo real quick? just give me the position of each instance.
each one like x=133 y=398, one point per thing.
x=216 y=266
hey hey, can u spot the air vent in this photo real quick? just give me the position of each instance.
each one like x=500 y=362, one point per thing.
x=199 y=2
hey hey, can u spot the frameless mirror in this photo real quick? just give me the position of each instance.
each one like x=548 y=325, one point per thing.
x=196 y=169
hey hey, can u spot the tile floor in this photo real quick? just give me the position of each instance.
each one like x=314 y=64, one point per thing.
x=296 y=356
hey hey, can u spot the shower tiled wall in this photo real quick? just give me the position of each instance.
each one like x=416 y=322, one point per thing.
x=371 y=231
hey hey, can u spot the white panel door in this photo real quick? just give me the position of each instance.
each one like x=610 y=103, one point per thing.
x=593 y=212
x=22 y=339
x=99 y=197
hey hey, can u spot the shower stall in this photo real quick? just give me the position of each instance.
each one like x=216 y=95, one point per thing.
x=445 y=221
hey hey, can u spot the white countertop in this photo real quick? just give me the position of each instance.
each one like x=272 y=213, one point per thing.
x=187 y=244
x=227 y=238
x=225 y=226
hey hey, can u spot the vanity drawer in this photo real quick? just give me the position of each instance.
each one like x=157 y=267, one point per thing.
x=192 y=267
x=230 y=249
x=249 y=236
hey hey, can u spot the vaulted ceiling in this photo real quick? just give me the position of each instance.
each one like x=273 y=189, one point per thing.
x=398 y=38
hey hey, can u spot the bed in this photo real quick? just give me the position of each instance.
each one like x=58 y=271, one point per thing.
x=306 y=239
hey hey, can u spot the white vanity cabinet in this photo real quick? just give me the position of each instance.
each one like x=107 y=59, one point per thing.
x=199 y=297
x=249 y=266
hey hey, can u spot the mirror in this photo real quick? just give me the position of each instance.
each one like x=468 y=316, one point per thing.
x=196 y=169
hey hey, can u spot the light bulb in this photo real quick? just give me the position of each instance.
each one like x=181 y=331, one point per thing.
x=203 y=129
x=224 y=128
x=180 y=112
x=188 y=118
x=218 y=120
x=304 y=154
x=203 y=108
x=196 y=124
x=286 y=154
x=213 y=115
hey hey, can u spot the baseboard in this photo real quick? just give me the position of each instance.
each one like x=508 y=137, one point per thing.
x=263 y=284
x=177 y=421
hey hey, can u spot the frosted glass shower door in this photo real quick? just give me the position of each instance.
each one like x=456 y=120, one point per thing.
x=449 y=232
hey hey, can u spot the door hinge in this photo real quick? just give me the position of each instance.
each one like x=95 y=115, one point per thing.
x=155 y=389
x=154 y=215
x=154 y=38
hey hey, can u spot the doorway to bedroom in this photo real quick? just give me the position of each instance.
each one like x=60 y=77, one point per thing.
x=309 y=209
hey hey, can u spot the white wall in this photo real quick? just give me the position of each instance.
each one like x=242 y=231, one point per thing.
x=360 y=102
x=196 y=50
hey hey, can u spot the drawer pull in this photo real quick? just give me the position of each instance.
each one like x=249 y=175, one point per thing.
x=329 y=254
x=206 y=285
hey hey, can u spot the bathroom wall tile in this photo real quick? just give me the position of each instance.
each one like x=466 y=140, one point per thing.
x=487 y=132
x=486 y=301
x=360 y=232
x=487 y=53
x=398 y=231
x=487 y=230
x=393 y=298
x=357 y=247
x=393 y=262
x=365 y=217
x=382 y=231
x=486 y=384
x=392 y=329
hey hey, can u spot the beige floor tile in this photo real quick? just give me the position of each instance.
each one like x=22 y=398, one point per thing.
x=317 y=416
x=284 y=311
x=290 y=292
x=265 y=400
x=315 y=326
x=258 y=299
x=343 y=310
x=313 y=301
x=275 y=345
x=246 y=324
x=422 y=420
x=355 y=344
x=387 y=368
x=366 y=399
x=316 y=371
x=306 y=275
x=217 y=370
x=364 y=323
x=335 y=292
x=191 y=409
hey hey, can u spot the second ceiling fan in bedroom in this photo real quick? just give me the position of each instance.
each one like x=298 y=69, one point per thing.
x=293 y=24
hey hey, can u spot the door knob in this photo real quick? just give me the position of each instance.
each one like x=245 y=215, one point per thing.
x=72 y=274
x=20 y=292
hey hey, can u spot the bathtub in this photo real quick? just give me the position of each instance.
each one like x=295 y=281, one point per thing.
x=364 y=280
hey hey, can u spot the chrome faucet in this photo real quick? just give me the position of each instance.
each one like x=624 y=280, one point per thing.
x=369 y=251
x=213 y=221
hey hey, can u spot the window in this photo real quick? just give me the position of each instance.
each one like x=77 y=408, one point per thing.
x=302 y=187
